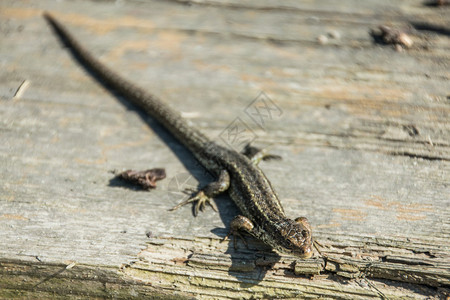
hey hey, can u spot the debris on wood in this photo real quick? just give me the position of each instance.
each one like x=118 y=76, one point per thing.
x=392 y=36
x=146 y=179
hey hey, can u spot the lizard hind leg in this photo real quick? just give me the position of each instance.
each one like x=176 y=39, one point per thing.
x=205 y=195
x=256 y=154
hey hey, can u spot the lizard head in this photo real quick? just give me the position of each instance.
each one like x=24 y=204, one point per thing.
x=297 y=238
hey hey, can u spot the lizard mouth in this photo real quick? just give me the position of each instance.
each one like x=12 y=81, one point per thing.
x=306 y=253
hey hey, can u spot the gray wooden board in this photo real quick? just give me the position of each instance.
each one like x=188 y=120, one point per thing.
x=363 y=131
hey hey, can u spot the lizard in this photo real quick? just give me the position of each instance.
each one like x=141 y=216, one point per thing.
x=262 y=216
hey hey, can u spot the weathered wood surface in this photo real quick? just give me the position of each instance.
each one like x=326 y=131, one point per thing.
x=363 y=130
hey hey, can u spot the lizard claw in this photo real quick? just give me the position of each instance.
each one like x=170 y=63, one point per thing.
x=205 y=195
x=201 y=200
x=239 y=223
x=235 y=233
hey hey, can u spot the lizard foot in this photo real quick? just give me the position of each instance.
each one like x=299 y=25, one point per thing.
x=201 y=198
x=238 y=224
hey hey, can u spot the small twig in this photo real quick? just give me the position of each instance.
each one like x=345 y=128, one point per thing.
x=71 y=265
x=21 y=89
x=382 y=295
x=317 y=245
x=54 y=275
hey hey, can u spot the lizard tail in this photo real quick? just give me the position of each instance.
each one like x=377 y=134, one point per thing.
x=170 y=119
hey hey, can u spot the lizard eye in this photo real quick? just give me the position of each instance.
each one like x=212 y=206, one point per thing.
x=289 y=246
x=304 y=233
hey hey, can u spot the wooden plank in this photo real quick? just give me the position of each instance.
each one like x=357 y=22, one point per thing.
x=363 y=131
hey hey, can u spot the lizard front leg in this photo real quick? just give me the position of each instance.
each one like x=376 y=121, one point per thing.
x=237 y=225
x=204 y=195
